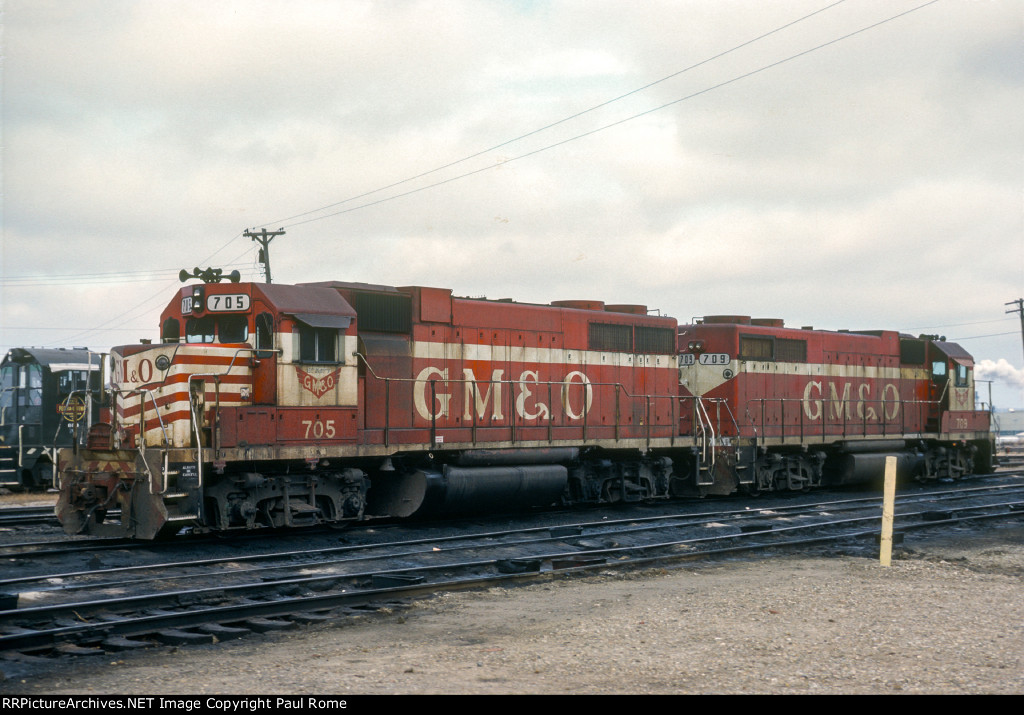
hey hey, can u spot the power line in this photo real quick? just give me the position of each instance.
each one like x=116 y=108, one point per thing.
x=975 y=337
x=558 y=122
x=556 y=144
x=582 y=135
x=95 y=278
x=953 y=325
x=78 y=276
x=36 y=327
x=157 y=295
x=1019 y=309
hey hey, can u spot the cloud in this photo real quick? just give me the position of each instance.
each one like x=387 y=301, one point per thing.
x=1000 y=370
x=875 y=182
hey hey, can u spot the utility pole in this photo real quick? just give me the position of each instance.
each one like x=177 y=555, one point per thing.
x=1019 y=309
x=264 y=237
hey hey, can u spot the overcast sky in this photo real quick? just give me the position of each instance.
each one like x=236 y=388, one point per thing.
x=872 y=180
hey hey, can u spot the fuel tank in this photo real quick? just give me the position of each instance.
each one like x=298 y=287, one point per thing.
x=461 y=490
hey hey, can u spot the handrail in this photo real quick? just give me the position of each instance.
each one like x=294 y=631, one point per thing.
x=750 y=421
x=707 y=430
x=840 y=408
x=511 y=382
x=192 y=410
x=142 y=413
x=735 y=424
x=707 y=424
x=74 y=437
x=370 y=367
x=141 y=443
x=67 y=400
x=705 y=418
x=227 y=370
x=548 y=419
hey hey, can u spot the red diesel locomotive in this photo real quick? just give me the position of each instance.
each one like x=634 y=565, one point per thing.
x=268 y=405
x=821 y=407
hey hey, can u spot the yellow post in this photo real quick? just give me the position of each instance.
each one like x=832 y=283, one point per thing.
x=888 y=511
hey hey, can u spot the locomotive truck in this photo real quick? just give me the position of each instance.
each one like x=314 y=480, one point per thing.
x=271 y=405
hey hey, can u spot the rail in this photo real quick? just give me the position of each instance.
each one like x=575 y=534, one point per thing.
x=648 y=408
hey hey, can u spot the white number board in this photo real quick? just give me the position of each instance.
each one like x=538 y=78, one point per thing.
x=687 y=359
x=714 y=359
x=232 y=302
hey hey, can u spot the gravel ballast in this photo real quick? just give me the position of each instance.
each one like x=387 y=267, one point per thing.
x=946 y=617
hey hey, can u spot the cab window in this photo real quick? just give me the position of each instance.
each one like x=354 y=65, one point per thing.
x=316 y=344
x=961 y=375
x=70 y=380
x=31 y=379
x=233 y=329
x=199 y=330
x=264 y=335
x=8 y=382
x=225 y=329
x=171 y=332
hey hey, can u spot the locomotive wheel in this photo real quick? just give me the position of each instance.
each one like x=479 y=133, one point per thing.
x=611 y=493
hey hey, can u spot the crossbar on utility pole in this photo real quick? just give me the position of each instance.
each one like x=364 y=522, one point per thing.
x=1019 y=309
x=264 y=237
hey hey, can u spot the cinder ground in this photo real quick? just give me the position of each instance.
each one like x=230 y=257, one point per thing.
x=947 y=617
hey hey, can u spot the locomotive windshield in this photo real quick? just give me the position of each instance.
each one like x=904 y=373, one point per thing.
x=70 y=380
x=22 y=394
x=7 y=380
x=32 y=381
x=210 y=329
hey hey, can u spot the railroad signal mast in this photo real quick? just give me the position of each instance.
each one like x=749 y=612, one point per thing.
x=264 y=237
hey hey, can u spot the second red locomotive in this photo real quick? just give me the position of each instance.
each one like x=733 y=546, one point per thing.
x=269 y=405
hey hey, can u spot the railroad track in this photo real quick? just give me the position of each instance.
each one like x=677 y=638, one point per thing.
x=21 y=515
x=1012 y=462
x=19 y=553
x=99 y=609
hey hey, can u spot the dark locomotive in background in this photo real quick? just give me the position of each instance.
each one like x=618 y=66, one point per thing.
x=46 y=397
x=285 y=405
